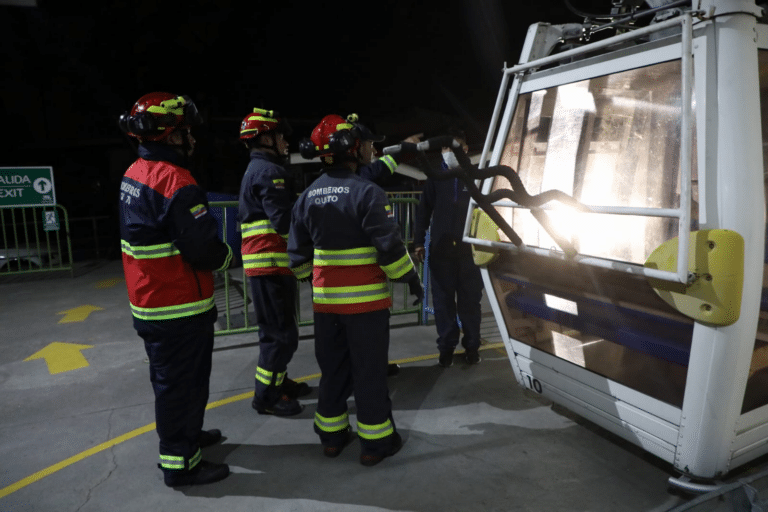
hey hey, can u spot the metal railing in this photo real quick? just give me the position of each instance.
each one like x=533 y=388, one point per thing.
x=232 y=292
x=35 y=239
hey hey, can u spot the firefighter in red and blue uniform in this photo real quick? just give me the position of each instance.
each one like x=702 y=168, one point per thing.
x=170 y=247
x=343 y=234
x=265 y=202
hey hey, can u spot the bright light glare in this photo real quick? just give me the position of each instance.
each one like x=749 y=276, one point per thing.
x=568 y=348
x=561 y=304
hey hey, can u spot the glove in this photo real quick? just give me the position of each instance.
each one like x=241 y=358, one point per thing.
x=415 y=288
x=420 y=254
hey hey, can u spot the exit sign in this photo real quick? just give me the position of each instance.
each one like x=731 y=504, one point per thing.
x=26 y=186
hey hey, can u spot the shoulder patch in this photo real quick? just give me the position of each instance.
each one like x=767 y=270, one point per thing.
x=198 y=211
x=390 y=212
x=279 y=183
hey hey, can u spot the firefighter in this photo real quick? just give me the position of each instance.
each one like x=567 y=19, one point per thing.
x=266 y=199
x=170 y=247
x=343 y=234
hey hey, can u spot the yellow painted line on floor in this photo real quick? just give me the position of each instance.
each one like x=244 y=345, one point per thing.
x=75 y=458
x=35 y=477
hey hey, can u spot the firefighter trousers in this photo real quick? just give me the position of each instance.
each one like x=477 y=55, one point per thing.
x=457 y=289
x=274 y=299
x=180 y=353
x=352 y=352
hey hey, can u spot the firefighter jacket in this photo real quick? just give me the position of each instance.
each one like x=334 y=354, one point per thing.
x=169 y=239
x=343 y=231
x=379 y=170
x=266 y=199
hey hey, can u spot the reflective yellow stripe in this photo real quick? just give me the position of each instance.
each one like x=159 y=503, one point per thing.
x=263 y=115
x=373 y=432
x=196 y=458
x=169 y=312
x=332 y=425
x=227 y=260
x=350 y=294
x=171 y=461
x=265 y=377
x=303 y=271
x=399 y=268
x=176 y=462
x=173 y=106
x=266 y=260
x=350 y=257
x=389 y=162
x=259 y=227
x=145 y=252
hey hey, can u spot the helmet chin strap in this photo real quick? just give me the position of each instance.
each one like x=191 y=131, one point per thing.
x=273 y=149
x=184 y=149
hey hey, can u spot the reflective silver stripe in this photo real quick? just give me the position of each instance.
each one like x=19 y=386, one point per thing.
x=176 y=462
x=171 y=461
x=265 y=377
x=332 y=424
x=357 y=256
x=168 y=312
x=375 y=431
x=389 y=162
x=350 y=294
x=259 y=227
x=266 y=260
x=142 y=252
x=302 y=271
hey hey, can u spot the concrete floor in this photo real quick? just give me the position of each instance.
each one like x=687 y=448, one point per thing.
x=78 y=434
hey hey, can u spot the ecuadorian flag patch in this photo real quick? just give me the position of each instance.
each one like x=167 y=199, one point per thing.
x=390 y=212
x=279 y=183
x=198 y=211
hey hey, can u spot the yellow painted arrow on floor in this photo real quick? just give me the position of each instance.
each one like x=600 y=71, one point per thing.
x=77 y=314
x=62 y=357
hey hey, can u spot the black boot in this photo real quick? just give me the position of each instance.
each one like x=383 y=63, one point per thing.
x=335 y=449
x=204 y=473
x=293 y=389
x=284 y=406
x=209 y=437
x=372 y=460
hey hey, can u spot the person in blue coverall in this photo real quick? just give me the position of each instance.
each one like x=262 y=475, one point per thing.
x=457 y=286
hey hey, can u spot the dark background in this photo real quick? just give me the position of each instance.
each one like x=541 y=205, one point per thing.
x=71 y=68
